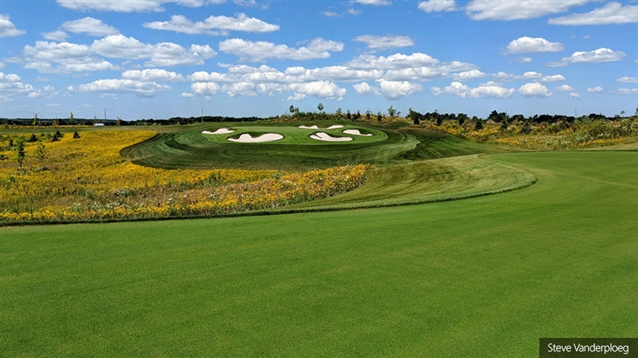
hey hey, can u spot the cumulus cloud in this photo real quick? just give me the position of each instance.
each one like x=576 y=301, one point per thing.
x=393 y=90
x=468 y=75
x=262 y=50
x=553 y=78
x=532 y=75
x=596 y=56
x=318 y=89
x=152 y=75
x=485 y=90
x=57 y=35
x=528 y=44
x=213 y=25
x=564 y=88
x=7 y=28
x=89 y=26
x=574 y=95
x=373 y=2
x=130 y=6
x=11 y=86
x=67 y=57
x=627 y=91
x=534 y=89
x=596 y=89
x=393 y=62
x=437 y=5
x=364 y=88
x=610 y=13
x=627 y=79
x=517 y=10
x=161 y=54
x=380 y=43
x=115 y=86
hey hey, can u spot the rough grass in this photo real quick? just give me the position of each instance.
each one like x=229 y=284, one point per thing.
x=480 y=277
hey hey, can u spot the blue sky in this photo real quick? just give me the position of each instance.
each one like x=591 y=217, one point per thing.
x=165 y=58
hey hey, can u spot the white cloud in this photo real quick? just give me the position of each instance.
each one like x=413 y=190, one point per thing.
x=626 y=79
x=7 y=28
x=532 y=75
x=486 y=90
x=380 y=43
x=245 y=3
x=69 y=58
x=115 y=86
x=2 y=65
x=262 y=50
x=12 y=86
x=599 y=55
x=564 y=88
x=523 y=60
x=611 y=13
x=56 y=35
x=553 y=78
x=437 y=5
x=161 y=54
x=468 y=75
x=398 y=89
x=152 y=75
x=364 y=88
x=627 y=91
x=319 y=89
x=89 y=26
x=213 y=25
x=516 y=9
x=205 y=88
x=393 y=62
x=131 y=5
x=596 y=89
x=373 y=2
x=534 y=89
x=574 y=95
x=527 y=44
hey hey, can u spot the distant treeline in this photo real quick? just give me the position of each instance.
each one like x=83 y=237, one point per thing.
x=136 y=122
x=416 y=117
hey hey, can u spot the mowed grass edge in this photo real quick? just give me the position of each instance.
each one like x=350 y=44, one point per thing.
x=480 y=277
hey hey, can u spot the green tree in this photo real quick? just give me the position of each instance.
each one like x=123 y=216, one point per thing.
x=391 y=111
x=71 y=118
x=19 y=153
x=118 y=122
x=379 y=116
x=368 y=114
x=40 y=152
x=35 y=119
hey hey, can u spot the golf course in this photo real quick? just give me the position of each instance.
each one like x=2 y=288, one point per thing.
x=448 y=248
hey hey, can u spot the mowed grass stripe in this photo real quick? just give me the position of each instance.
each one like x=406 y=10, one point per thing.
x=480 y=277
x=429 y=181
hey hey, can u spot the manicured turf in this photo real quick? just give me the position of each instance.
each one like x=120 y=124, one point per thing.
x=189 y=148
x=482 y=277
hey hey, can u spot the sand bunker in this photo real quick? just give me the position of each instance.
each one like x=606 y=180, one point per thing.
x=356 y=132
x=219 y=131
x=328 y=138
x=315 y=127
x=247 y=138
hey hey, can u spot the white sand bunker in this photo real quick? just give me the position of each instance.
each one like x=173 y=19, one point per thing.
x=219 y=131
x=247 y=138
x=328 y=138
x=315 y=127
x=356 y=132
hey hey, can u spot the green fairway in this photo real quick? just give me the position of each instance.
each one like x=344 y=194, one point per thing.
x=481 y=277
x=189 y=148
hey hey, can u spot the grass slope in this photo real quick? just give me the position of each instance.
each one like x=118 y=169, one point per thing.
x=189 y=148
x=480 y=277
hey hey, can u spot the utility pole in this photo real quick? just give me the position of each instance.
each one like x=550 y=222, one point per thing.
x=202 y=116
x=104 y=114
